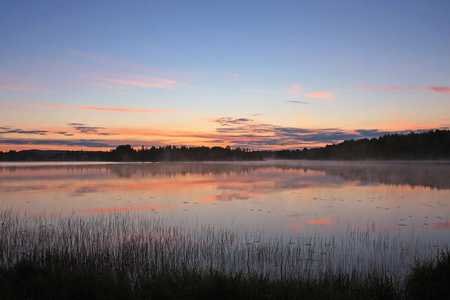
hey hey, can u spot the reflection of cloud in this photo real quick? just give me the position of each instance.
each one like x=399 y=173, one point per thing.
x=21 y=188
x=320 y=221
x=128 y=208
x=113 y=109
x=84 y=190
x=441 y=224
x=228 y=197
x=295 y=227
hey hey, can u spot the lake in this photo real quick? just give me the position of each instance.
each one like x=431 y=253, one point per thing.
x=287 y=197
x=309 y=217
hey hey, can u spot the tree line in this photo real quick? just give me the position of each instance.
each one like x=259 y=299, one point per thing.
x=431 y=145
x=145 y=154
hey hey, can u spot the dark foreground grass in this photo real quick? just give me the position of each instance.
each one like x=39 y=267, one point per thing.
x=125 y=257
x=30 y=280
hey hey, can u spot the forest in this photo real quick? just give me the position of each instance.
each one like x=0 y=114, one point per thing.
x=431 y=145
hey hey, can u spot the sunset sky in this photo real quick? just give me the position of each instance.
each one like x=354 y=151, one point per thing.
x=93 y=75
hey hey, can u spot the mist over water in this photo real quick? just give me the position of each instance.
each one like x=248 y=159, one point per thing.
x=288 y=197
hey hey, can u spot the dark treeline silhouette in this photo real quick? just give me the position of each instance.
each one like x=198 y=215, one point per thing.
x=431 y=145
x=173 y=153
x=128 y=153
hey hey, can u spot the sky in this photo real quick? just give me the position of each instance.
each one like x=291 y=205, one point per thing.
x=261 y=75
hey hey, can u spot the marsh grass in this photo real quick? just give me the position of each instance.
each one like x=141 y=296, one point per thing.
x=122 y=255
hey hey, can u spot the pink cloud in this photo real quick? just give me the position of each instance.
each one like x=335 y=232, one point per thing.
x=441 y=89
x=294 y=90
x=380 y=88
x=392 y=112
x=323 y=95
x=131 y=66
x=102 y=85
x=114 y=109
x=17 y=88
x=131 y=80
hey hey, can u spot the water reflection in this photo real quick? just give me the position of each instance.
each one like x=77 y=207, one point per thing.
x=425 y=174
x=279 y=196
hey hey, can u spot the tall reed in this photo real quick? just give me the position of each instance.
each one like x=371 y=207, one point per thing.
x=139 y=246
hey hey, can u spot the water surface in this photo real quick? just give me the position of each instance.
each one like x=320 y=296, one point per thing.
x=408 y=198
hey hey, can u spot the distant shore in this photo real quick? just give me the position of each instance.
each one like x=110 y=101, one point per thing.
x=431 y=145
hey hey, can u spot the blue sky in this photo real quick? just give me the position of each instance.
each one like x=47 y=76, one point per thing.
x=238 y=73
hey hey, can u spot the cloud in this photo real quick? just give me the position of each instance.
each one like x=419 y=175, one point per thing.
x=298 y=102
x=440 y=89
x=228 y=121
x=131 y=66
x=112 y=109
x=380 y=88
x=392 y=112
x=255 y=135
x=323 y=95
x=85 y=129
x=233 y=75
x=20 y=131
x=55 y=142
x=65 y=133
x=19 y=88
x=131 y=80
x=293 y=90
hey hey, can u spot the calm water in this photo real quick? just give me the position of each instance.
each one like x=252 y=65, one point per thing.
x=411 y=199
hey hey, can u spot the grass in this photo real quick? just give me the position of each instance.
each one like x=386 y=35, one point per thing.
x=124 y=256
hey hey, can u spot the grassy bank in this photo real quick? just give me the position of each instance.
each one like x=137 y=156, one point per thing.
x=122 y=256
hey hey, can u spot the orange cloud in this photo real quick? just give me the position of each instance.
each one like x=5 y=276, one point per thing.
x=114 y=109
x=323 y=95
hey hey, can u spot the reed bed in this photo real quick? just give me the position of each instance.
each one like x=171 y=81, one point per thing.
x=144 y=249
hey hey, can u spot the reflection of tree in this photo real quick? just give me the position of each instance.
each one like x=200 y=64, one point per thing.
x=431 y=174
x=428 y=174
